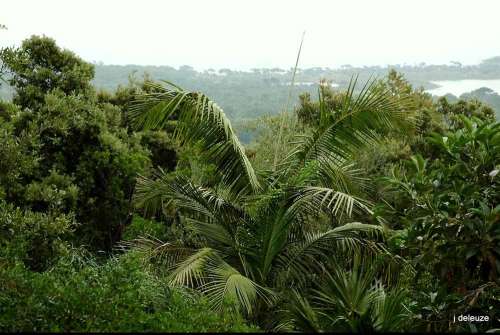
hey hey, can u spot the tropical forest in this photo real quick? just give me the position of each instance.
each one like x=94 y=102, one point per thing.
x=150 y=199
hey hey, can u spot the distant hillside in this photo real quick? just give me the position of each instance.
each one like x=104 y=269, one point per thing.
x=246 y=95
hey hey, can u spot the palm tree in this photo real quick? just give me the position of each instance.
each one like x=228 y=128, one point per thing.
x=258 y=233
x=354 y=300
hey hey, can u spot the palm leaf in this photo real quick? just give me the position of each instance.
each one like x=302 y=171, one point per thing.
x=390 y=314
x=313 y=199
x=200 y=121
x=349 y=291
x=298 y=314
x=226 y=284
x=192 y=270
x=192 y=200
x=307 y=255
x=357 y=123
x=344 y=177
x=166 y=253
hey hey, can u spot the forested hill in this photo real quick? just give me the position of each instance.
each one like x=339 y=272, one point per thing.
x=249 y=94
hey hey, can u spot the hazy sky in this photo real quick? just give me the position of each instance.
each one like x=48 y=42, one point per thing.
x=261 y=33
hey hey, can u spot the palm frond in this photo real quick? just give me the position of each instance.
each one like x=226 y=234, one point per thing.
x=153 y=193
x=212 y=231
x=357 y=123
x=192 y=271
x=284 y=210
x=192 y=200
x=166 y=253
x=226 y=284
x=344 y=177
x=274 y=236
x=298 y=314
x=313 y=199
x=307 y=255
x=349 y=291
x=389 y=313
x=200 y=121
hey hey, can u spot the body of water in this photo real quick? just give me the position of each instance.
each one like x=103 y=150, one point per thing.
x=310 y=83
x=458 y=87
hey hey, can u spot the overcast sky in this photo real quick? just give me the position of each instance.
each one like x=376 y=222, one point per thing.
x=261 y=33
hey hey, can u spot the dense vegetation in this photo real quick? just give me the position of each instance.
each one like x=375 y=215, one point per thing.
x=372 y=208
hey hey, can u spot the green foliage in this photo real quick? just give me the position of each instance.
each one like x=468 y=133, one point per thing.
x=396 y=143
x=448 y=206
x=81 y=166
x=262 y=149
x=448 y=210
x=471 y=109
x=162 y=148
x=16 y=160
x=39 y=66
x=140 y=227
x=65 y=150
x=348 y=301
x=118 y=296
x=309 y=112
x=36 y=240
x=486 y=96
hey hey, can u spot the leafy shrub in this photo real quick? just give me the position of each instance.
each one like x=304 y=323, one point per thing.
x=36 y=240
x=449 y=205
x=81 y=166
x=143 y=227
x=16 y=160
x=447 y=215
x=120 y=295
x=469 y=108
